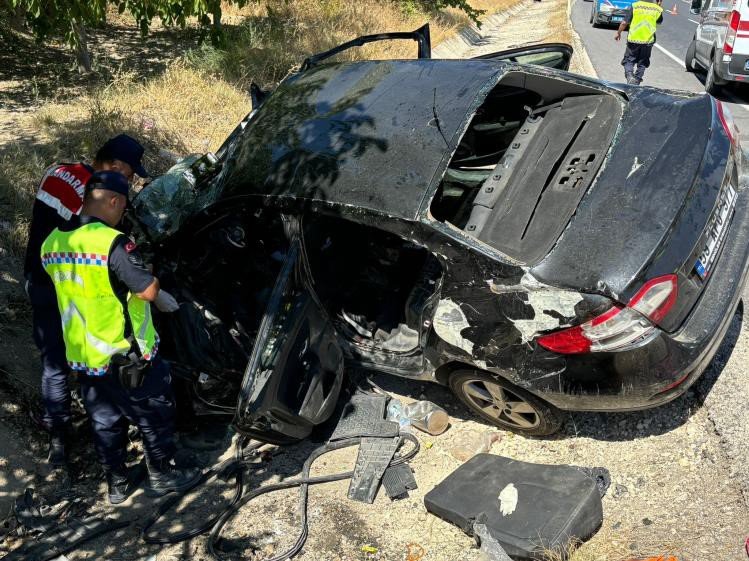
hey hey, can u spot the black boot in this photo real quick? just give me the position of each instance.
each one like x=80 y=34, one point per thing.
x=58 y=440
x=165 y=477
x=122 y=482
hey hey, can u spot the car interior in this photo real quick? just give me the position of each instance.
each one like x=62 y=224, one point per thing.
x=529 y=154
x=373 y=283
x=226 y=272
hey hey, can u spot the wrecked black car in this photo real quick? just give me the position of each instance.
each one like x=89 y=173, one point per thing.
x=536 y=240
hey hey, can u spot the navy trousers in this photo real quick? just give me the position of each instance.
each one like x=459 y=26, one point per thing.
x=112 y=408
x=48 y=338
x=636 y=59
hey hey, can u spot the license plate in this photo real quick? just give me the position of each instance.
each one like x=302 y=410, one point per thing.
x=716 y=231
x=620 y=18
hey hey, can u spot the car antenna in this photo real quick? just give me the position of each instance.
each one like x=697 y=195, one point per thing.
x=437 y=119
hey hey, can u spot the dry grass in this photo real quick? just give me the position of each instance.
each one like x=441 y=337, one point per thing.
x=193 y=105
x=276 y=35
x=613 y=545
x=181 y=111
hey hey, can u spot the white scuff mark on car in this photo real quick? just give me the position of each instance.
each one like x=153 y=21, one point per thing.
x=542 y=298
x=508 y=499
x=449 y=321
x=480 y=363
x=635 y=166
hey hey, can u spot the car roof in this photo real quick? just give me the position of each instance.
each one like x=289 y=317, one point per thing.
x=370 y=134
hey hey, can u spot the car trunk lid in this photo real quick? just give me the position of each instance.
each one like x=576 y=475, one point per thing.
x=647 y=211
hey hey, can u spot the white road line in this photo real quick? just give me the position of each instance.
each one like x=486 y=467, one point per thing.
x=693 y=21
x=670 y=55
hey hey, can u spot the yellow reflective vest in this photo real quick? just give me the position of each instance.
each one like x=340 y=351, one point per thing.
x=93 y=317
x=645 y=16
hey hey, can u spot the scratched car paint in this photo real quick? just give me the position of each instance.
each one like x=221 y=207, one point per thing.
x=536 y=240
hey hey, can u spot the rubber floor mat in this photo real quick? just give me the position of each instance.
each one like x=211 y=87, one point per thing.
x=398 y=481
x=374 y=456
x=364 y=415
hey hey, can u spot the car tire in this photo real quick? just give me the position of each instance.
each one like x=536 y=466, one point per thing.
x=711 y=86
x=689 y=57
x=504 y=405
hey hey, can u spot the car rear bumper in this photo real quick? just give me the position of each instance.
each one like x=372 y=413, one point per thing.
x=734 y=69
x=665 y=366
x=611 y=18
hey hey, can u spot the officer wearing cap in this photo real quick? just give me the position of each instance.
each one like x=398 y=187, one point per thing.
x=59 y=198
x=104 y=294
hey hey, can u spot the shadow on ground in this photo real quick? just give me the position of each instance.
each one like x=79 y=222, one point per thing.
x=32 y=72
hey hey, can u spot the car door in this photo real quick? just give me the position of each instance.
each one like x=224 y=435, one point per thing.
x=553 y=55
x=295 y=370
x=702 y=34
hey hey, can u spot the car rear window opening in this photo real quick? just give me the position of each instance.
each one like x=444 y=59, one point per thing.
x=529 y=155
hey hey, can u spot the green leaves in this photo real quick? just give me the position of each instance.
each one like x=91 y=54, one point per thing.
x=436 y=5
x=59 y=17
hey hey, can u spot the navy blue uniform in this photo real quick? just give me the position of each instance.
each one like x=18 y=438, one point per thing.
x=112 y=407
x=59 y=198
x=637 y=55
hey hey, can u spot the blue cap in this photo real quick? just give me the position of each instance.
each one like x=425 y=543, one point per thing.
x=126 y=149
x=109 y=180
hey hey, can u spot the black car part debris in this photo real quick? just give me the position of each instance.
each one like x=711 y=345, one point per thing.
x=398 y=481
x=364 y=415
x=375 y=455
x=420 y=35
x=527 y=508
x=352 y=426
x=303 y=483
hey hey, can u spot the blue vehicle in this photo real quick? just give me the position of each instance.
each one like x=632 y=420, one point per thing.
x=608 y=12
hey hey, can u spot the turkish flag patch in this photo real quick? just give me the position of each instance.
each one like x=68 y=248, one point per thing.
x=130 y=246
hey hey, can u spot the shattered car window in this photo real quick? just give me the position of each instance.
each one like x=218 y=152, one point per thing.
x=164 y=204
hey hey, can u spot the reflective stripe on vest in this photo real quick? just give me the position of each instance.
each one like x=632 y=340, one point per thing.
x=644 y=18
x=93 y=319
x=62 y=188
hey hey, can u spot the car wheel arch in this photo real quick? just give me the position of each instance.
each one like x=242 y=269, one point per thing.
x=444 y=371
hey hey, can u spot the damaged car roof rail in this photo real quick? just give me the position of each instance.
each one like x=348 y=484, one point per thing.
x=420 y=35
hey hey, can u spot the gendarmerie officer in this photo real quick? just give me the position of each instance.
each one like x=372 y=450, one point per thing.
x=642 y=19
x=59 y=198
x=104 y=294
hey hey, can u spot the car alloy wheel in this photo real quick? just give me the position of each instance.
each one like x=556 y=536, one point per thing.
x=502 y=404
x=498 y=402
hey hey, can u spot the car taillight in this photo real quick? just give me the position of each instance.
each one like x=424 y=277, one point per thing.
x=620 y=325
x=733 y=27
x=726 y=119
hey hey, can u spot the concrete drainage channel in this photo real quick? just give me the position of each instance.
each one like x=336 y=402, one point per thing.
x=526 y=23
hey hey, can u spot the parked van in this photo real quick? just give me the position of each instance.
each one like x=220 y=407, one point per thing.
x=721 y=43
x=609 y=12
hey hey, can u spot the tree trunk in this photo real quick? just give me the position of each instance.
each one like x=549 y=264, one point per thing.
x=82 y=55
x=17 y=18
x=217 y=28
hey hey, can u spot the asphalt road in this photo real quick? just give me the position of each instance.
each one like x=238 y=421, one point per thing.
x=724 y=387
x=667 y=63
